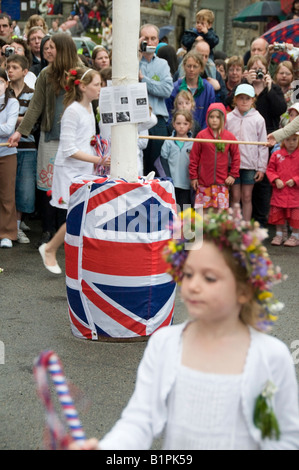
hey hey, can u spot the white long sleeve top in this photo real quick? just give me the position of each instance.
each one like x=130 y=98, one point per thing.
x=8 y=121
x=77 y=129
x=145 y=416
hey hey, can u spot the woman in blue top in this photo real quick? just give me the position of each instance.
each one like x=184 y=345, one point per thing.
x=202 y=91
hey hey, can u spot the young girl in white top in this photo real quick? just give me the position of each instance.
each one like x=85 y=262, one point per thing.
x=75 y=155
x=216 y=381
x=247 y=124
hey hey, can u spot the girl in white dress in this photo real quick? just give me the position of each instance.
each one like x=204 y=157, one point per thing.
x=217 y=381
x=75 y=155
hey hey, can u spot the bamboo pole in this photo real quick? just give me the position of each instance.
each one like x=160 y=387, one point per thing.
x=213 y=141
x=5 y=144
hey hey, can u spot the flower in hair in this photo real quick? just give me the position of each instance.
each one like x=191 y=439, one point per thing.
x=228 y=229
x=77 y=82
x=67 y=88
x=74 y=72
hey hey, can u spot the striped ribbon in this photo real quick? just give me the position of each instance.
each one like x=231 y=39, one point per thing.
x=46 y=364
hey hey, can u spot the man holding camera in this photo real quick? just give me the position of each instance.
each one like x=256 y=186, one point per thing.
x=155 y=72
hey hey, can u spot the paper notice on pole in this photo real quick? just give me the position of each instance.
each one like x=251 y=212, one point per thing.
x=124 y=104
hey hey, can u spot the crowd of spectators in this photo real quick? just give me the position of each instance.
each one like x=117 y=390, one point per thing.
x=197 y=68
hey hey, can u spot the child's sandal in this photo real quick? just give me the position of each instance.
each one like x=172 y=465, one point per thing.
x=277 y=240
x=292 y=241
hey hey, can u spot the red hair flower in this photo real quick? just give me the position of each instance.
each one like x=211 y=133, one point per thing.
x=77 y=82
x=73 y=72
x=67 y=88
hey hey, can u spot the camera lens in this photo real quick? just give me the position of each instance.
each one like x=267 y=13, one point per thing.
x=9 y=51
x=259 y=74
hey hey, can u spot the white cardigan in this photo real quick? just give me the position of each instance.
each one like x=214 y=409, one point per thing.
x=145 y=416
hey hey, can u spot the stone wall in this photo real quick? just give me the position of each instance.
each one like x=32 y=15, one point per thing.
x=239 y=35
x=180 y=16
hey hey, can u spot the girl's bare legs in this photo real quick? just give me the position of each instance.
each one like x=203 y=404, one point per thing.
x=53 y=245
x=246 y=196
x=236 y=194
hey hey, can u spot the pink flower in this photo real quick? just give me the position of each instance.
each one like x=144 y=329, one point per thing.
x=46 y=175
x=247 y=239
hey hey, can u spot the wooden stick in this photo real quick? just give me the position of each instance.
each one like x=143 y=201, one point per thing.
x=213 y=141
x=5 y=144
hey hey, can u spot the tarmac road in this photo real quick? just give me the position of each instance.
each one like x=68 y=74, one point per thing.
x=33 y=317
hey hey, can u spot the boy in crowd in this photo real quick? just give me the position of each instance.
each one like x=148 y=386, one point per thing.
x=204 y=28
x=17 y=67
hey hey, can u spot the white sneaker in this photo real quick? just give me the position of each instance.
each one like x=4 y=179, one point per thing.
x=22 y=238
x=6 y=243
x=24 y=227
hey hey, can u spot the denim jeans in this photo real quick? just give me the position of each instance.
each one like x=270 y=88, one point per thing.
x=26 y=180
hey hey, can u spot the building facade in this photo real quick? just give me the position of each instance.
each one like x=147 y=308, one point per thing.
x=234 y=38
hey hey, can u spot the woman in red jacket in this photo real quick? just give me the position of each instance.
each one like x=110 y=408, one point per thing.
x=283 y=174
x=214 y=166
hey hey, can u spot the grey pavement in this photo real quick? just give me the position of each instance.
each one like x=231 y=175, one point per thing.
x=33 y=317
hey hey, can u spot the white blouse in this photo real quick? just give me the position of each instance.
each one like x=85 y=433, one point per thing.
x=77 y=129
x=150 y=406
x=216 y=399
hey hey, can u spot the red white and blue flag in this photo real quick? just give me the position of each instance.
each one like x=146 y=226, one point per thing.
x=117 y=285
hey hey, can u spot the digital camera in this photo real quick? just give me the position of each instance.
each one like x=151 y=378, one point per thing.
x=279 y=47
x=145 y=48
x=259 y=74
x=9 y=51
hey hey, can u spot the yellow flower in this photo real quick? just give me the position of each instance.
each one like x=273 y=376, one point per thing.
x=251 y=247
x=172 y=246
x=272 y=317
x=265 y=295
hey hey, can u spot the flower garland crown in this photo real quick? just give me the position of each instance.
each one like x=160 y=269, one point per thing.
x=227 y=228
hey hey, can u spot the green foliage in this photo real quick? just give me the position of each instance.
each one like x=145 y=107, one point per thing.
x=265 y=419
x=167 y=6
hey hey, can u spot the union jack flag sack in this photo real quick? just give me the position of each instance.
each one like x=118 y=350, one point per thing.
x=116 y=278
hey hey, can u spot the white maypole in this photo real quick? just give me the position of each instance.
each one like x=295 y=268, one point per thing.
x=131 y=239
x=125 y=70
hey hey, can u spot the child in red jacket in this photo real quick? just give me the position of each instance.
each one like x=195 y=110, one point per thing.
x=283 y=174
x=209 y=170
x=94 y=19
